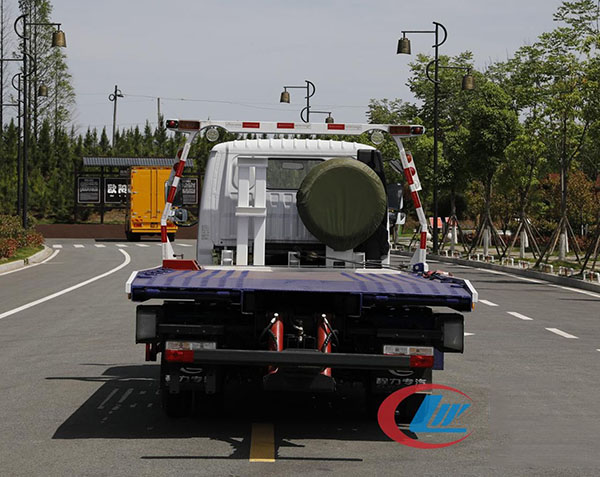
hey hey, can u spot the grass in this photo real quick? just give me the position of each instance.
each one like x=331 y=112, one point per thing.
x=21 y=254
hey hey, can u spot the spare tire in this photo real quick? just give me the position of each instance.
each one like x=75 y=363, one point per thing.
x=341 y=202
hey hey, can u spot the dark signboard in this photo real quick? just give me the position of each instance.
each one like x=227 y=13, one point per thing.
x=189 y=190
x=116 y=190
x=88 y=190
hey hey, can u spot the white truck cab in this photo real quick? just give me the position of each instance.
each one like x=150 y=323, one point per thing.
x=288 y=161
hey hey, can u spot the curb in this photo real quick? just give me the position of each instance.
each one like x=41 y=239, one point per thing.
x=35 y=258
x=564 y=281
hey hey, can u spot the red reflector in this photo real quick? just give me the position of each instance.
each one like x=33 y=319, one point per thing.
x=400 y=130
x=251 y=125
x=179 y=356
x=171 y=123
x=416 y=130
x=285 y=125
x=418 y=361
x=336 y=126
x=409 y=157
x=181 y=264
x=193 y=125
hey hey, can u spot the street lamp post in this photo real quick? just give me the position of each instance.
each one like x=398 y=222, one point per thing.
x=113 y=97
x=404 y=48
x=18 y=105
x=59 y=40
x=285 y=98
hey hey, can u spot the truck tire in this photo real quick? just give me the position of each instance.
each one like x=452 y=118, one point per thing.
x=405 y=412
x=176 y=404
x=132 y=237
x=341 y=202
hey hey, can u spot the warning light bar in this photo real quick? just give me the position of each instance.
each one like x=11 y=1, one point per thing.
x=406 y=130
x=182 y=125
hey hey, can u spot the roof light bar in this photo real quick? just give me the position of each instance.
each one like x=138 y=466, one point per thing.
x=406 y=130
x=184 y=125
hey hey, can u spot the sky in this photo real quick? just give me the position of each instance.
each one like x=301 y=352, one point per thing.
x=230 y=59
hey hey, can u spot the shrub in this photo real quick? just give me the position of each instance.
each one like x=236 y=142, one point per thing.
x=13 y=235
x=8 y=247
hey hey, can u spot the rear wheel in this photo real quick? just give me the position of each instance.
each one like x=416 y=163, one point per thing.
x=171 y=237
x=176 y=404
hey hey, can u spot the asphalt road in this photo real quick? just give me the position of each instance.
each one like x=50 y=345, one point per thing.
x=77 y=397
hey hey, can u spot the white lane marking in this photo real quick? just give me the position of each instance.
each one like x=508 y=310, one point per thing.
x=188 y=245
x=108 y=398
x=67 y=290
x=142 y=245
x=496 y=272
x=99 y=245
x=54 y=254
x=488 y=303
x=598 y=349
x=562 y=333
x=518 y=315
x=583 y=292
x=57 y=245
x=469 y=334
x=78 y=245
x=121 y=245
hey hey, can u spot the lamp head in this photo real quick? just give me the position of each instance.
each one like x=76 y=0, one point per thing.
x=285 y=97
x=468 y=82
x=42 y=90
x=329 y=119
x=403 y=46
x=59 y=39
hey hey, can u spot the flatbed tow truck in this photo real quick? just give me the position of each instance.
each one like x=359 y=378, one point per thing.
x=317 y=306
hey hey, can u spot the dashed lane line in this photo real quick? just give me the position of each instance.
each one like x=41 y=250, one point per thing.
x=262 y=442
x=142 y=245
x=99 y=245
x=564 y=334
x=70 y=289
x=54 y=254
x=519 y=316
x=121 y=245
x=57 y=245
x=488 y=303
x=469 y=334
x=78 y=245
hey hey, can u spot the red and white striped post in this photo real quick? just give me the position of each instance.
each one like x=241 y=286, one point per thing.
x=412 y=178
x=174 y=179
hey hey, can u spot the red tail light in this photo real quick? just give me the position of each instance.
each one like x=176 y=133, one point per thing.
x=180 y=356
x=420 y=361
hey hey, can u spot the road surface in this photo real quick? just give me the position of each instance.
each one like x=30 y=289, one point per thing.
x=78 y=398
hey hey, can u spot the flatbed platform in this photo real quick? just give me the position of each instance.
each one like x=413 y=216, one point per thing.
x=395 y=287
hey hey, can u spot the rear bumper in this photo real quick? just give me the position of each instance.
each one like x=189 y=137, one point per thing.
x=300 y=358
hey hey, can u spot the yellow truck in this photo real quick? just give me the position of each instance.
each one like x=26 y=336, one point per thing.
x=147 y=202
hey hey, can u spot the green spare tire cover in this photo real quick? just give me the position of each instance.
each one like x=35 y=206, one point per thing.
x=341 y=202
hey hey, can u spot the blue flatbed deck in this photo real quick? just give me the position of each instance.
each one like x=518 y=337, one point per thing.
x=379 y=285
